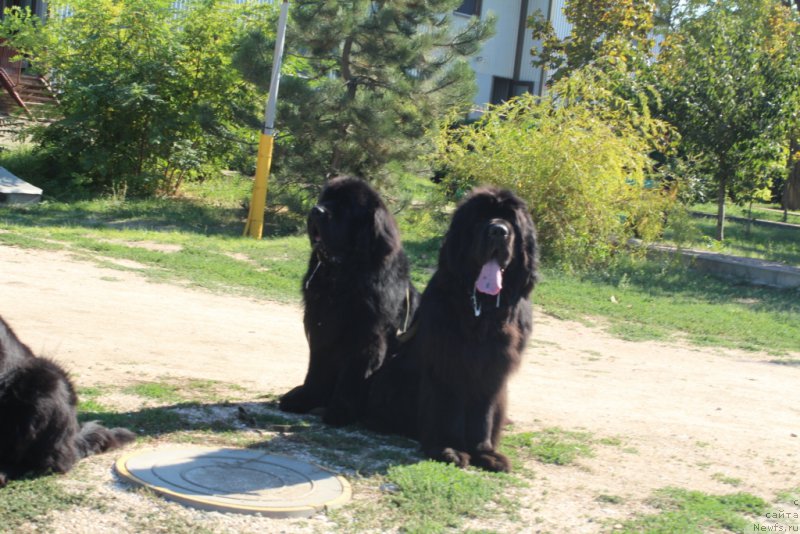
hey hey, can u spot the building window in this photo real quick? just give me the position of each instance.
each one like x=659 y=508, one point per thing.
x=470 y=7
x=505 y=88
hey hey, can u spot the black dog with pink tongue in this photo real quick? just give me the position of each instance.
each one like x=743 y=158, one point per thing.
x=447 y=385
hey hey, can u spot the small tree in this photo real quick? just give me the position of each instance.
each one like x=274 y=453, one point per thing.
x=579 y=158
x=729 y=79
x=148 y=94
x=376 y=76
x=603 y=32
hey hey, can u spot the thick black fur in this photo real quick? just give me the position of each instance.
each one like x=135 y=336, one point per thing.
x=39 y=429
x=357 y=295
x=447 y=385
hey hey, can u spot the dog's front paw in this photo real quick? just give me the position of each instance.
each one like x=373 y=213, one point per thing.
x=453 y=456
x=492 y=461
x=298 y=400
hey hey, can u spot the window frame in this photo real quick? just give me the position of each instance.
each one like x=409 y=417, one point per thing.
x=476 y=9
x=512 y=86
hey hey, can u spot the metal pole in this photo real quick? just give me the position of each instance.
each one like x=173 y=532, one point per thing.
x=258 y=201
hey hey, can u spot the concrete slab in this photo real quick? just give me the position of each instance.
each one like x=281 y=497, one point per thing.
x=245 y=481
x=751 y=270
x=15 y=190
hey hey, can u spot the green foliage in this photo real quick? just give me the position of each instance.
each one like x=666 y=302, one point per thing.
x=374 y=77
x=578 y=156
x=611 y=32
x=148 y=92
x=433 y=496
x=693 y=512
x=730 y=83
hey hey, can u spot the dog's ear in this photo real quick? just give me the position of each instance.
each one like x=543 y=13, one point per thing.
x=453 y=251
x=379 y=237
x=528 y=248
x=385 y=235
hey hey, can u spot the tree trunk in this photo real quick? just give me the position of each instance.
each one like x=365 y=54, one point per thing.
x=723 y=186
x=347 y=76
x=791 y=191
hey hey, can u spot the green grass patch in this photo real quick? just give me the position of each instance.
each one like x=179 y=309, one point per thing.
x=176 y=240
x=550 y=446
x=155 y=391
x=434 y=497
x=791 y=496
x=694 y=512
x=763 y=212
x=724 y=479
x=88 y=399
x=28 y=502
x=748 y=240
x=661 y=301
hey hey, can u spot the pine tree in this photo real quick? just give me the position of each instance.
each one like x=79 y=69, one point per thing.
x=375 y=76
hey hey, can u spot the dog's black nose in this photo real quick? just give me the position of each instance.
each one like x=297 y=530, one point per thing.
x=498 y=231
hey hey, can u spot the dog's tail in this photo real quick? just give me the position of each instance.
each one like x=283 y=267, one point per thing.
x=94 y=438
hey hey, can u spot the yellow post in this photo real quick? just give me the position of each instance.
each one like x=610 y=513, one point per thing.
x=258 y=201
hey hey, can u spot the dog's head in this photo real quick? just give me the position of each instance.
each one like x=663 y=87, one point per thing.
x=351 y=223
x=491 y=244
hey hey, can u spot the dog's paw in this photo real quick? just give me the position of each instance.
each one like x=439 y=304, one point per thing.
x=453 y=456
x=492 y=461
x=298 y=400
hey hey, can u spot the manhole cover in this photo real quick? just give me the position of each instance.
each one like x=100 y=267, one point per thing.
x=236 y=480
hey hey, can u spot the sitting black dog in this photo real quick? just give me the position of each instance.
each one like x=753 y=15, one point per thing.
x=39 y=429
x=447 y=385
x=357 y=295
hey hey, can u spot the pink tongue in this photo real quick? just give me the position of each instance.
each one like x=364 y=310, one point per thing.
x=490 y=281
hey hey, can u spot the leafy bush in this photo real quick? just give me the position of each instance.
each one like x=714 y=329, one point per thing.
x=578 y=156
x=148 y=94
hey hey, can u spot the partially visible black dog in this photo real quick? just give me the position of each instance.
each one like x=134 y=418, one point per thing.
x=447 y=385
x=357 y=295
x=39 y=429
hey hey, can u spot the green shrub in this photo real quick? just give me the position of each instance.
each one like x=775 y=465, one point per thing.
x=148 y=94
x=578 y=156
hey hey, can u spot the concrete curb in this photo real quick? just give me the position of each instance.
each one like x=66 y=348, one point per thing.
x=751 y=270
x=744 y=220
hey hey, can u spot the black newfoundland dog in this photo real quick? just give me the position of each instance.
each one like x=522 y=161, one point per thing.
x=447 y=385
x=39 y=430
x=357 y=296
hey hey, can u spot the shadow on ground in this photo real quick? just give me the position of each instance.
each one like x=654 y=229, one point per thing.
x=261 y=425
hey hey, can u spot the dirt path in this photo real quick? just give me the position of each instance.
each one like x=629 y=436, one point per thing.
x=686 y=417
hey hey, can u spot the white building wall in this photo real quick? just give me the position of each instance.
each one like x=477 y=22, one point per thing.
x=559 y=21
x=499 y=54
x=496 y=57
x=527 y=70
